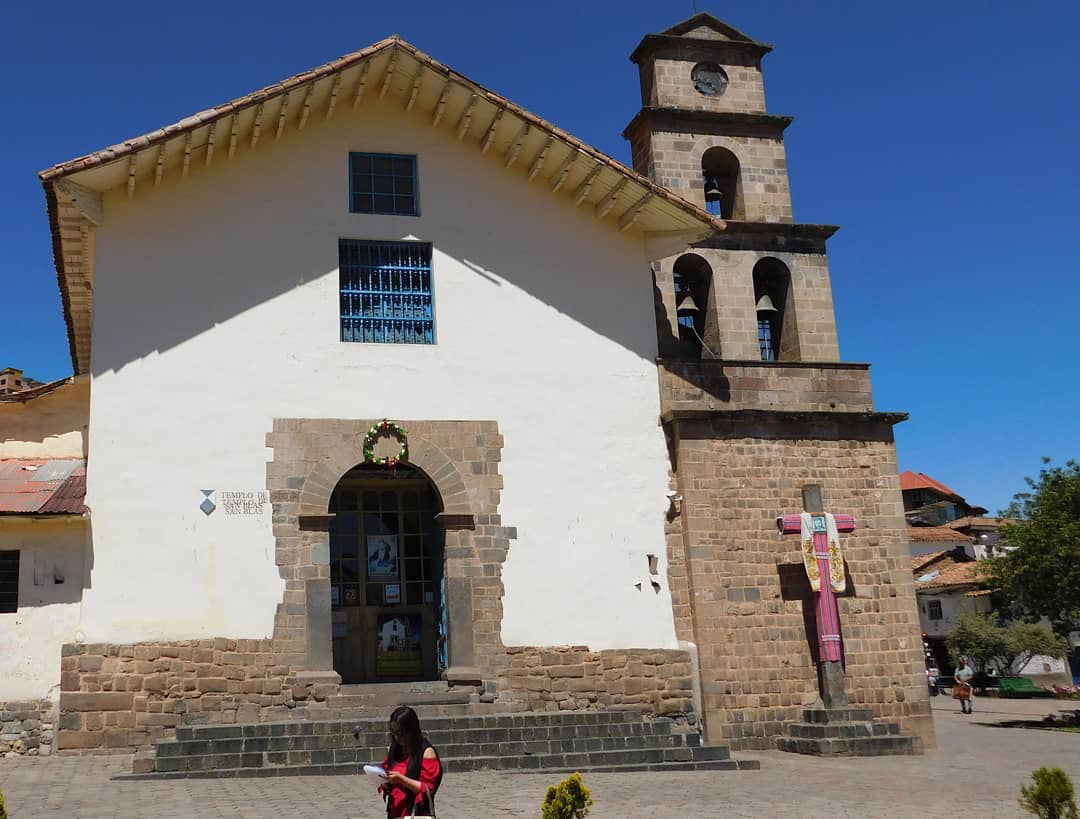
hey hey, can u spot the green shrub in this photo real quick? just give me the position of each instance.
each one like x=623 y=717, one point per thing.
x=570 y=800
x=3 y=810
x=1051 y=797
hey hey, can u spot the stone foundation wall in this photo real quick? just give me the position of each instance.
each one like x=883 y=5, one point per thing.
x=740 y=590
x=117 y=697
x=26 y=728
x=570 y=678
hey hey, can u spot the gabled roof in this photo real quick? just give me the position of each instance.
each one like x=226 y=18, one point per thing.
x=529 y=146
x=955 y=575
x=709 y=22
x=918 y=480
x=40 y=486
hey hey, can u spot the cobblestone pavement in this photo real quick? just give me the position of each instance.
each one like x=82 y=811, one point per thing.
x=977 y=770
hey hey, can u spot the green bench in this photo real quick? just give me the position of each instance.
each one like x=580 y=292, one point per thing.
x=1022 y=687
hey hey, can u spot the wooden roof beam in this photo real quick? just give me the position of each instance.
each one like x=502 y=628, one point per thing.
x=361 y=83
x=159 y=166
x=281 y=115
x=586 y=184
x=515 y=148
x=334 y=90
x=257 y=126
x=564 y=170
x=631 y=214
x=414 y=86
x=187 y=154
x=388 y=77
x=466 y=116
x=234 y=133
x=489 y=136
x=306 y=110
x=210 y=136
x=440 y=106
x=604 y=206
x=538 y=162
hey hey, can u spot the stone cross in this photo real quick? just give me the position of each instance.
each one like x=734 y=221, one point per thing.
x=825 y=566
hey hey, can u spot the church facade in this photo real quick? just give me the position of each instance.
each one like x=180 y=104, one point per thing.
x=394 y=381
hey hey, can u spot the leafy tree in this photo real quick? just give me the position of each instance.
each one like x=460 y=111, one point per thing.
x=570 y=800
x=1008 y=648
x=1040 y=574
x=1051 y=797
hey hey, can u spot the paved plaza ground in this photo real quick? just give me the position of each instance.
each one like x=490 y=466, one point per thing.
x=977 y=771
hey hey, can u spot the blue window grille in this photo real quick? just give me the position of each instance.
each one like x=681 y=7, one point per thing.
x=383 y=183
x=386 y=292
x=765 y=339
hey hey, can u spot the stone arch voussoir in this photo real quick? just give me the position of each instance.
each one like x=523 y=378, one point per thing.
x=423 y=454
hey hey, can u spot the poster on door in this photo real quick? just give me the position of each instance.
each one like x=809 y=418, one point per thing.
x=397 y=652
x=382 y=557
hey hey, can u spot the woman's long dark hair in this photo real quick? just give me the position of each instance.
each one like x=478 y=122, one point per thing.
x=412 y=739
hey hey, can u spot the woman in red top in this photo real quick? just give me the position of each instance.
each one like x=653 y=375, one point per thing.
x=413 y=769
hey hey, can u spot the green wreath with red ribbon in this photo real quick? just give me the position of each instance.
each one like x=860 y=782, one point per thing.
x=385 y=427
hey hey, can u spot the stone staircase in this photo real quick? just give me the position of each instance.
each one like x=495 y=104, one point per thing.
x=549 y=741
x=846 y=732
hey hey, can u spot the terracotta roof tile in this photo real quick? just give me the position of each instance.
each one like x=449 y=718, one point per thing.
x=919 y=480
x=958 y=574
x=936 y=534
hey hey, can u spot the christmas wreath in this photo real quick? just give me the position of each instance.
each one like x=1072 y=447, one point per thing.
x=385 y=427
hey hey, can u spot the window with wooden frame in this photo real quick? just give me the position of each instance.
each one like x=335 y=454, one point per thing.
x=933 y=610
x=383 y=183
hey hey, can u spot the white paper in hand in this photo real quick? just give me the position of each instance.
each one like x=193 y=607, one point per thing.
x=375 y=772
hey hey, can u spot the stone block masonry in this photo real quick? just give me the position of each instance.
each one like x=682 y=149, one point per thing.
x=27 y=728
x=739 y=589
x=116 y=697
x=565 y=678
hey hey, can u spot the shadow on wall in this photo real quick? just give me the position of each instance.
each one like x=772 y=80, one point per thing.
x=59 y=561
x=194 y=256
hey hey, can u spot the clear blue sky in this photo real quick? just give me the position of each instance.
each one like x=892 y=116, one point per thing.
x=943 y=137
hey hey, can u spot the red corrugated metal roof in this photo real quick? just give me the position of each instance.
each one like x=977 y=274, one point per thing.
x=918 y=480
x=42 y=486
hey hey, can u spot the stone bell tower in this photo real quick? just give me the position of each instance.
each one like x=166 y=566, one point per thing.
x=760 y=412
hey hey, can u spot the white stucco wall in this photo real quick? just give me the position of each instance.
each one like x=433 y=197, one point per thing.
x=953 y=605
x=216 y=310
x=48 y=612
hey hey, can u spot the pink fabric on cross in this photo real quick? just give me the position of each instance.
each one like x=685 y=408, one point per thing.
x=828 y=614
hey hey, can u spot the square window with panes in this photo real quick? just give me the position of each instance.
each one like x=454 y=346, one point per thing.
x=383 y=183
x=9 y=581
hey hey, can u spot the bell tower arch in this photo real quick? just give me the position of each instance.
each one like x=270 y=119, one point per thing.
x=702 y=88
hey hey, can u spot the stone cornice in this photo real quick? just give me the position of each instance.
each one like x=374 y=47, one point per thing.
x=652 y=43
x=683 y=120
x=785 y=416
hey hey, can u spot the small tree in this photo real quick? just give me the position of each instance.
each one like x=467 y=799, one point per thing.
x=1051 y=797
x=570 y=800
x=1041 y=573
x=1007 y=649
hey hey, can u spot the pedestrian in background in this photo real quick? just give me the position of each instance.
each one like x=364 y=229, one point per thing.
x=962 y=687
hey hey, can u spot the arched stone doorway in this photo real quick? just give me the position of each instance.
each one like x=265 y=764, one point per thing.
x=389 y=613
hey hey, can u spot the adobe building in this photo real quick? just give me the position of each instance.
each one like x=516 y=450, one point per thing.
x=425 y=451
